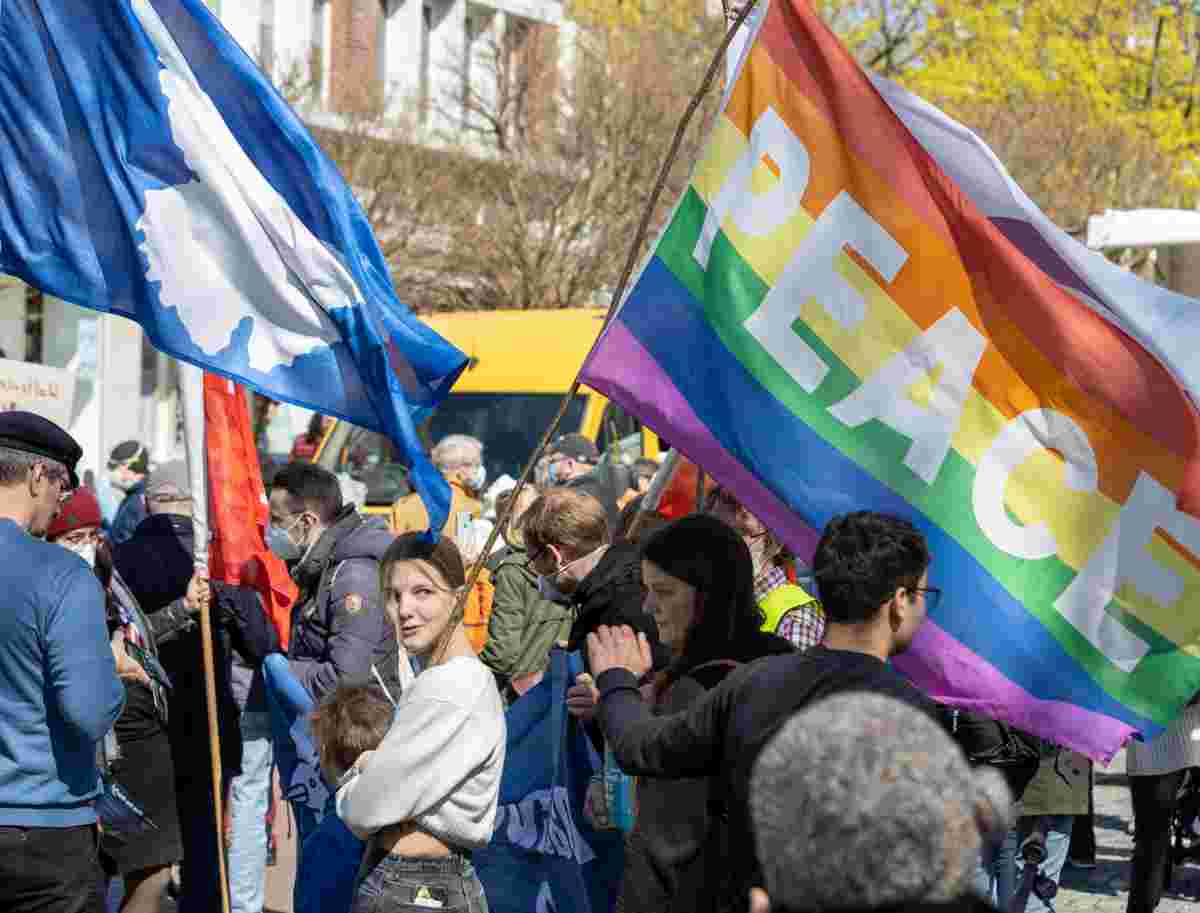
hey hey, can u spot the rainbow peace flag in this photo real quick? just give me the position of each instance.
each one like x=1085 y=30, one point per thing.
x=853 y=306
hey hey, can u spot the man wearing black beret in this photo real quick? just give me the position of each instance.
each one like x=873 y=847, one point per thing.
x=58 y=680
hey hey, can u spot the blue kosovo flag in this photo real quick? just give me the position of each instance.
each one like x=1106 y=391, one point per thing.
x=149 y=169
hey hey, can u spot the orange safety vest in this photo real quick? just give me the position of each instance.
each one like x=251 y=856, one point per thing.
x=478 y=610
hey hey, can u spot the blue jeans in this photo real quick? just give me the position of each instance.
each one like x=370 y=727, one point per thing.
x=1058 y=841
x=395 y=883
x=995 y=875
x=1001 y=871
x=249 y=799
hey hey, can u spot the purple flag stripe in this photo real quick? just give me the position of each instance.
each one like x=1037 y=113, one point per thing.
x=660 y=405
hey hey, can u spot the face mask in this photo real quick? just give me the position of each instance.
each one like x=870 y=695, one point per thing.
x=86 y=551
x=479 y=479
x=547 y=583
x=122 y=482
x=279 y=541
x=549 y=590
x=552 y=474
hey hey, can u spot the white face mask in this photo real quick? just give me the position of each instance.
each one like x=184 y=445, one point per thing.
x=121 y=481
x=479 y=479
x=85 y=550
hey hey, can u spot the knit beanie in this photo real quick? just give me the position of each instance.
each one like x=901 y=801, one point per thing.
x=81 y=510
x=865 y=803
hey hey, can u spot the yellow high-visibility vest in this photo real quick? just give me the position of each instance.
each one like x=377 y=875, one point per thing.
x=780 y=601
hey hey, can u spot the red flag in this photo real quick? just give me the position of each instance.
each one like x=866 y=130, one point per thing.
x=679 y=497
x=237 y=505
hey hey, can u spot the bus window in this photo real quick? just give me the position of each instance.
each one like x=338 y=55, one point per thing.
x=509 y=424
x=370 y=458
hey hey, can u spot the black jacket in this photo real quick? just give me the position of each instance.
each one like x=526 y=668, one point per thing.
x=612 y=595
x=721 y=735
x=157 y=565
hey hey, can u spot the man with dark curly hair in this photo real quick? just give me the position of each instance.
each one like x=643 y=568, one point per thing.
x=872 y=574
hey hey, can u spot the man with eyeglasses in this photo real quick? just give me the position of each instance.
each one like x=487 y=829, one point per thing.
x=59 y=688
x=872 y=572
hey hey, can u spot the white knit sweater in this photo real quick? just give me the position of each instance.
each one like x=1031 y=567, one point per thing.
x=1176 y=748
x=439 y=765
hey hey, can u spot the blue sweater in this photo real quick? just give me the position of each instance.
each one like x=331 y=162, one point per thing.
x=59 y=691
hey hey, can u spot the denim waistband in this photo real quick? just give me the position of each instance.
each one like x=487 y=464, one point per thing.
x=457 y=863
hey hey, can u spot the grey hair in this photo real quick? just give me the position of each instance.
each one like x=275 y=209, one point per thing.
x=457 y=450
x=862 y=802
x=15 y=465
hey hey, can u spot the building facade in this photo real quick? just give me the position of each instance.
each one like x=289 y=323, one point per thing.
x=330 y=57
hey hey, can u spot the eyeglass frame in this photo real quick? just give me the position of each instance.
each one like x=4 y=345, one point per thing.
x=58 y=475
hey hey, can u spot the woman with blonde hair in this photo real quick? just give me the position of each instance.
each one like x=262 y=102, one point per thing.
x=427 y=796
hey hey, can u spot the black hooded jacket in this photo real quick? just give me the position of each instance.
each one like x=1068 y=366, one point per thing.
x=612 y=595
x=157 y=565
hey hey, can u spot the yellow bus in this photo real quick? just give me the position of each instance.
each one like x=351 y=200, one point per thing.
x=521 y=365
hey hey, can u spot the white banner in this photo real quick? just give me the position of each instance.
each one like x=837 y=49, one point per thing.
x=48 y=392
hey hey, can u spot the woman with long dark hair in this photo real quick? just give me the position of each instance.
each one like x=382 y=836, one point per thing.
x=699 y=582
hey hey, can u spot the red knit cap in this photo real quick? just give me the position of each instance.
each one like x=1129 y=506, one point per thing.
x=81 y=510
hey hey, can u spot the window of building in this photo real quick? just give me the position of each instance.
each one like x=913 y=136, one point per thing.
x=388 y=10
x=476 y=93
x=319 y=54
x=35 y=325
x=423 y=73
x=266 y=36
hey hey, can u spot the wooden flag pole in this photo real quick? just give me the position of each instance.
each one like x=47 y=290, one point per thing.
x=191 y=392
x=635 y=250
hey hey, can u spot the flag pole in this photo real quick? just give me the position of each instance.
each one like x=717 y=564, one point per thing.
x=191 y=393
x=630 y=262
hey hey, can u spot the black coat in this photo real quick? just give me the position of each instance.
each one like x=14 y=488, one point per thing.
x=612 y=595
x=157 y=564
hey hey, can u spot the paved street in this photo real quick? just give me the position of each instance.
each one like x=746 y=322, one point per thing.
x=1106 y=888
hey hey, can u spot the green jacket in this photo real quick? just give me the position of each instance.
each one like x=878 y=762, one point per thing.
x=523 y=626
x=1060 y=786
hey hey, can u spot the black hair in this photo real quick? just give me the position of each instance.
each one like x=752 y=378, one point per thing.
x=316 y=428
x=315 y=487
x=701 y=550
x=862 y=559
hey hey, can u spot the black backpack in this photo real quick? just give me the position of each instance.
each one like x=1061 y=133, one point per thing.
x=1014 y=753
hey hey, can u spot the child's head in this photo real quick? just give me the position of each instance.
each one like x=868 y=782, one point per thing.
x=351 y=720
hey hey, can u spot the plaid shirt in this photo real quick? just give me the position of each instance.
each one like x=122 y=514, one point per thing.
x=769 y=578
x=804 y=626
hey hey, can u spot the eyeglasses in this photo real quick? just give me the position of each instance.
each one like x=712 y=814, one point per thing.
x=62 y=479
x=933 y=595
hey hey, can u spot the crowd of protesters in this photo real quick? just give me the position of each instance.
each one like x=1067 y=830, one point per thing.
x=783 y=763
